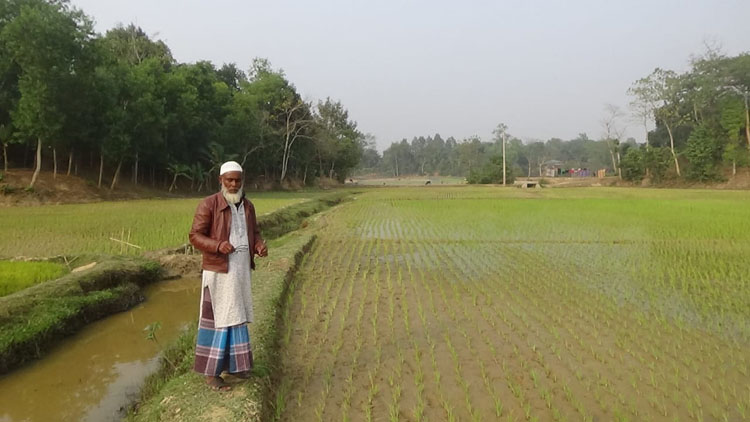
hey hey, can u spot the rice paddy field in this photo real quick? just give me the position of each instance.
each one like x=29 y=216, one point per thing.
x=15 y=276
x=410 y=181
x=487 y=304
x=90 y=228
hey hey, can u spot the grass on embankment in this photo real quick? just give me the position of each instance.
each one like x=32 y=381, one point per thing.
x=15 y=276
x=31 y=320
x=289 y=218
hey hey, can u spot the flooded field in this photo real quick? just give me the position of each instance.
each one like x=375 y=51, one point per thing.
x=474 y=305
x=95 y=374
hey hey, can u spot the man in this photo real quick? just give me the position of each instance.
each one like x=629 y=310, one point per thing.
x=225 y=230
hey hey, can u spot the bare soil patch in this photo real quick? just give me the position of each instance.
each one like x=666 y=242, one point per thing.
x=64 y=189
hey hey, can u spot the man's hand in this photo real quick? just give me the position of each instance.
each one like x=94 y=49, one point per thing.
x=261 y=249
x=226 y=248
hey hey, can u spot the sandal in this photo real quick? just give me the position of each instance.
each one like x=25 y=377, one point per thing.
x=217 y=384
x=243 y=375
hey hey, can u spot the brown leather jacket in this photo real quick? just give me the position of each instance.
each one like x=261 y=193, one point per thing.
x=211 y=227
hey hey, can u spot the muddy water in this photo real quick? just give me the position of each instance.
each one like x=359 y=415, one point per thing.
x=95 y=374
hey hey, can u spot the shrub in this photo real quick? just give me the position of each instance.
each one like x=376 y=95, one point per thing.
x=633 y=167
x=492 y=172
x=703 y=152
x=658 y=161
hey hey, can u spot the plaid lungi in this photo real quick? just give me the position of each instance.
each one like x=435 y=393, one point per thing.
x=220 y=349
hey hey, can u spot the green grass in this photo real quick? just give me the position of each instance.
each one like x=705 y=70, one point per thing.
x=15 y=276
x=87 y=228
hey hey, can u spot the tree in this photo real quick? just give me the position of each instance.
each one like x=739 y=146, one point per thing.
x=398 y=158
x=232 y=76
x=177 y=170
x=732 y=120
x=702 y=152
x=500 y=135
x=470 y=154
x=661 y=93
x=130 y=44
x=5 y=132
x=371 y=158
x=338 y=142
x=297 y=124
x=612 y=134
x=536 y=154
x=633 y=165
x=737 y=82
x=45 y=40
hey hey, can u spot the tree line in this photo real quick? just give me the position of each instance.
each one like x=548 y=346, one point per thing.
x=697 y=125
x=481 y=161
x=119 y=105
x=702 y=120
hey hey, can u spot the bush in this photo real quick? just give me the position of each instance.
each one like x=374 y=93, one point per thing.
x=632 y=165
x=703 y=152
x=492 y=172
x=8 y=189
x=657 y=160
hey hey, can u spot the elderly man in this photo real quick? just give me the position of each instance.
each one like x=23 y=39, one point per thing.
x=225 y=230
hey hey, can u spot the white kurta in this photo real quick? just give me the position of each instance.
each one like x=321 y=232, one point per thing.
x=231 y=296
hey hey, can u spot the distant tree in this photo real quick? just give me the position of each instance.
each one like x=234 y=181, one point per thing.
x=657 y=161
x=536 y=154
x=736 y=80
x=338 y=141
x=298 y=124
x=702 y=152
x=371 y=158
x=633 y=165
x=732 y=120
x=131 y=45
x=5 y=133
x=501 y=133
x=470 y=153
x=613 y=131
x=232 y=76
x=661 y=91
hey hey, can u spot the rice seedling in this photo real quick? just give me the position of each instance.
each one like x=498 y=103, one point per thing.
x=587 y=304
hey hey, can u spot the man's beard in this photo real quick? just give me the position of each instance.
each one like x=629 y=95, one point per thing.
x=232 y=198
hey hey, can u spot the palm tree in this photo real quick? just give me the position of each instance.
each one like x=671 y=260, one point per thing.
x=178 y=170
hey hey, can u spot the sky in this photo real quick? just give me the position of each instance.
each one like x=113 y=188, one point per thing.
x=415 y=68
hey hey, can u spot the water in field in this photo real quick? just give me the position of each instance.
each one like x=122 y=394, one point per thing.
x=95 y=374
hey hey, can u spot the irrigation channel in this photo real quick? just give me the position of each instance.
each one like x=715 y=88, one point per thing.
x=96 y=373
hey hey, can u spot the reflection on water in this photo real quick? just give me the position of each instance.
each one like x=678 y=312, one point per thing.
x=94 y=374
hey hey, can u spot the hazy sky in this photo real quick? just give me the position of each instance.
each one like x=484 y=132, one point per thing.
x=410 y=68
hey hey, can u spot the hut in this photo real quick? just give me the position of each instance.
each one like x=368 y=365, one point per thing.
x=552 y=168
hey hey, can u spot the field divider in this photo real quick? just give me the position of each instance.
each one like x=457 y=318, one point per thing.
x=35 y=318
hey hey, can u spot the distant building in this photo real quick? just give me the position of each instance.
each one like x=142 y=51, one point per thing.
x=552 y=168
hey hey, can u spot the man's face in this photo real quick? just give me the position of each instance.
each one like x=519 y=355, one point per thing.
x=232 y=181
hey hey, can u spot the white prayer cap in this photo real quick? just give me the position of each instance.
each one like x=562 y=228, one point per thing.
x=230 y=166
